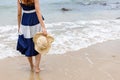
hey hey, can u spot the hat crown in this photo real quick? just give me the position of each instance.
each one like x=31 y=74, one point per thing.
x=42 y=42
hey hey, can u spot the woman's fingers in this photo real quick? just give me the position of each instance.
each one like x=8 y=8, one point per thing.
x=44 y=31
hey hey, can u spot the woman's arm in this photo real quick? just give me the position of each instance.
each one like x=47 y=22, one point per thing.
x=39 y=15
x=19 y=14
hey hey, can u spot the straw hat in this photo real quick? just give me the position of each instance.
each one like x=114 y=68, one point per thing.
x=42 y=42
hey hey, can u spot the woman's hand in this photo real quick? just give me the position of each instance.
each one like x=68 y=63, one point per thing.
x=44 y=31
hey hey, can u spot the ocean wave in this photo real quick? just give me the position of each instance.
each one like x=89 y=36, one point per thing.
x=69 y=36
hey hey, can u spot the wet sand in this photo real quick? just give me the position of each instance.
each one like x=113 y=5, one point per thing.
x=98 y=62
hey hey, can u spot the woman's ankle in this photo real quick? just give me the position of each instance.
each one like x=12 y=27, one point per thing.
x=37 y=69
x=32 y=67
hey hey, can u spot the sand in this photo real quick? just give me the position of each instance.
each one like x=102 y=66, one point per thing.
x=98 y=62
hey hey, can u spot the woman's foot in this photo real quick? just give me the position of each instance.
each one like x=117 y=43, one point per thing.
x=37 y=69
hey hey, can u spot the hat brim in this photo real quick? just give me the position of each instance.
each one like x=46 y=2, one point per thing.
x=37 y=35
x=42 y=51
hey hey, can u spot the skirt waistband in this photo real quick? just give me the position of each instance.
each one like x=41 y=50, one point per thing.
x=30 y=11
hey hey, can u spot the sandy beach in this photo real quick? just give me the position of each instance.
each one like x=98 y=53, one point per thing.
x=98 y=62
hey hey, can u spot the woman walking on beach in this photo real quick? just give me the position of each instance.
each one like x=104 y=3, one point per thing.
x=30 y=21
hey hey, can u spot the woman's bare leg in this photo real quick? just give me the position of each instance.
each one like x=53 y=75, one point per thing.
x=37 y=62
x=31 y=62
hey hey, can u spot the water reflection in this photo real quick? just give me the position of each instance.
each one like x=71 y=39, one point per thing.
x=37 y=76
x=31 y=76
x=34 y=76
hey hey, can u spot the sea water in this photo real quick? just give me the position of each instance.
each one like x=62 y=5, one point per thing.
x=88 y=22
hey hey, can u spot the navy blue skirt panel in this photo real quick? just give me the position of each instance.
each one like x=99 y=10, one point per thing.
x=26 y=46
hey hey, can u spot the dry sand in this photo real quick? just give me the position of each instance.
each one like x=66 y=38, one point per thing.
x=97 y=62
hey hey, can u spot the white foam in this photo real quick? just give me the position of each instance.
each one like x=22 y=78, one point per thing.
x=69 y=36
x=81 y=34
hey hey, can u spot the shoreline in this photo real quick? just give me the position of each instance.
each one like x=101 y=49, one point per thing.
x=75 y=35
x=102 y=60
